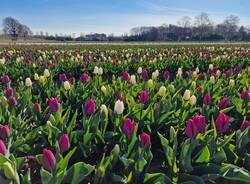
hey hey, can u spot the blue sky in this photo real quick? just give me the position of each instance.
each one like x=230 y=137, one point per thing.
x=115 y=16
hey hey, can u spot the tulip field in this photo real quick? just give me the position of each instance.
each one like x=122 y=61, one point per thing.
x=125 y=114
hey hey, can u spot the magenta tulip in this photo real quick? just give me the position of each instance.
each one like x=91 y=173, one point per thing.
x=145 y=140
x=64 y=143
x=128 y=127
x=3 y=149
x=245 y=124
x=223 y=103
x=166 y=74
x=191 y=129
x=5 y=79
x=4 y=132
x=48 y=160
x=9 y=92
x=228 y=73
x=84 y=77
x=222 y=122
x=125 y=76
x=89 y=106
x=12 y=101
x=144 y=74
x=143 y=98
x=54 y=105
x=245 y=95
x=200 y=122
x=62 y=77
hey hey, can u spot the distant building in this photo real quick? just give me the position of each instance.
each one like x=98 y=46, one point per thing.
x=96 y=37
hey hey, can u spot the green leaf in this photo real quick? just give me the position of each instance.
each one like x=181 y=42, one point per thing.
x=77 y=173
x=203 y=156
x=156 y=178
x=64 y=162
x=46 y=177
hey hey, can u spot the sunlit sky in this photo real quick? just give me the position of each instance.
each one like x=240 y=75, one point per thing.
x=115 y=16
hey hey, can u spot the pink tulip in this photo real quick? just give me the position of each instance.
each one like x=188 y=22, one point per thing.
x=207 y=99
x=191 y=129
x=3 y=149
x=89 y=106
x=144 y=96
x=223 y=103
x=64 y=143
x=245 y=124
x=145 y=140
x=222 y=122
x=4 y=132
x=128 y=127
x=200 y=122
x=48 y=160
x=54 y=105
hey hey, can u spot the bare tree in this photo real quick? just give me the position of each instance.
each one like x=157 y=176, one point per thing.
x=184 y=21
x=230 y=25
x=204 y=24
x=11 y=27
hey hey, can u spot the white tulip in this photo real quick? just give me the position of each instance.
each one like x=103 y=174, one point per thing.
x=139 y=71
x=186 y=95
x=66 y=85
x=96 y=70
x=231 y=83
x=212 y=79
x=162 y=91
x=119 y=107
x=132 y=79
x=100 y=71
x=28 y=82
x=193 y=100
x=104 y=109
x=46 y=73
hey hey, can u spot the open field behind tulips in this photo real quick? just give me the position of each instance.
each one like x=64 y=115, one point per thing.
x=125 y=113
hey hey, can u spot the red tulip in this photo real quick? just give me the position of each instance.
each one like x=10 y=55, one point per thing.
x=64 y=143
x=48 y=160
x=222 y=122
x=191 y=129
x=9 y=92
x=4 y=132
x=122 y=98
x=245 y=124
x=89 y=106
x=72 y=79
x=199 y=89
x=200 y=122
x=207 y=99
x=125 y=76
x=245 y=95
x=62 y=77
x=84 y=77
x=128 y=127
x=5 y=79
x=145 y=140
x=143 y=97
x=223 y=103
x=54 y=105
x=3 y=149
x=12 y=101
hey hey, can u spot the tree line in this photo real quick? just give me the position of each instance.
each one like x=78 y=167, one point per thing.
x=201 y=29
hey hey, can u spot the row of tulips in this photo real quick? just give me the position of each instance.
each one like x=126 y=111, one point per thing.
x=159 y=116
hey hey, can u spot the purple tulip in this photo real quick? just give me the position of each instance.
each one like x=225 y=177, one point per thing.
x=222 y=122
x=191 y=129
x=145 y=140
x=9 y=92
x=62 y=77
x=5 y=79
x=84 y=77
x=4 y=132
x=12 y=101
x=207 y=99
x=201 y=76
x=144 y=74
x=200 y=122
x=125 y=76
x=166 y=74
x=128 y=127
x=64 y=143
x=89 y=106
x=245 y=95
x=48 y=160
x=245 y=124
x=228 y=73
x=223 y=103
x=237 y=69
x=3 y=149
x=143 y=97
x=54 y=105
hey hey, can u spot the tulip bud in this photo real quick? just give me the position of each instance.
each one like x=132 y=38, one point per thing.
x=54 y=105
x=223 y=103
x=104 y=110
x=4 y=132
x=145 y=140
x=144 y=74
x=245 y=124
x=5 y=79
x=186 y=95
x=62 y=77
x=48 y=160
x=95 y=70
x=179 y=72
x=64 y=143
x=125 y=76
x=193 y=100
x=28 y=82
x=166 y=74
x=143 y=98
x=245 y=95
x=222 y=122
x=154 y=75
x=171 y=88
x=84 y=77
x=139 y=71
x=66 y=85
x=119 y=107
x=150 y=83
x=36 y=76
x=9 y=92
x=162 y=91
x=231 y=83
x=195 y=74
x=12 y=101
x=133 y=79
x=207 y=99
x=42 y=80
x=89 y=106
x=200 y=122
x=103 y=89
x=100 y=71
x=9 y=171
x=128 y=127
x=46 y=73
x=3 y=149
